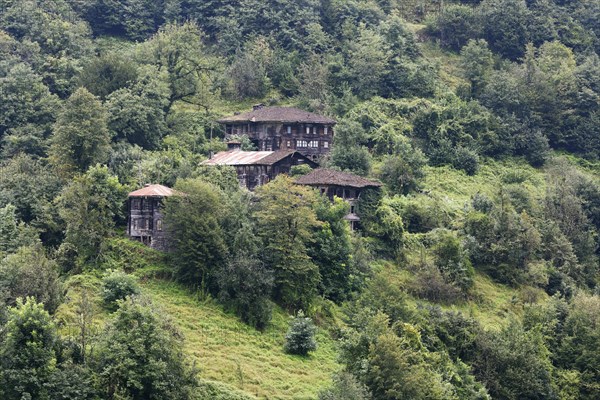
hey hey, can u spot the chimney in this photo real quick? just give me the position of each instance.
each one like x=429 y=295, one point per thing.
x=234 y=145
x=257 y=106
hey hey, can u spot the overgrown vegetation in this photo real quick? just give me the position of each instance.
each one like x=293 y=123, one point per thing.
x=474 y=274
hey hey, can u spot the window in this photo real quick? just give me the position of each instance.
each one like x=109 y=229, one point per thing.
x=289 y=130
x=325 y=144
x=135 y=204
x=135 y=224
x=325 y=129
x=301 y=143
x=352 y=209
x=308 y=129
x=159 y=224
x=146 y=204
x=289 y=144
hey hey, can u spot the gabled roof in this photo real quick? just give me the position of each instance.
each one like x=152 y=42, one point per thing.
x=239 y=157
x=278 y=114
x=153 y=191
x=330 y=177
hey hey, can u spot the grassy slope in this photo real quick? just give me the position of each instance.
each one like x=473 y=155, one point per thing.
x=228 y=351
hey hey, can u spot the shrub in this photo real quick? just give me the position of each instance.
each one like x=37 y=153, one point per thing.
x=300 y=338
x=345 y=387
x=117 y=285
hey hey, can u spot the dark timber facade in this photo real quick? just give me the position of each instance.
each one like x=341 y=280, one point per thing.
x=344 y=185
x=283 y=128
x=256 y=168
x=145 y=220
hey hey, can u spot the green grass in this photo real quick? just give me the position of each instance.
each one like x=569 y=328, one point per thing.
x=228 y=351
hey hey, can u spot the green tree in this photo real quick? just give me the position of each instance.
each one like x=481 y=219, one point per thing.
x=140 y=356
x=505 y=26
x=514 y=363
x=198 y=239
x=285 y=221
x=29 y=272
x=345 y=387
x=28 y=112
x=13 y=233
x=477 y=62
x=118 y=285
x=90 y=206
x=368 y=58
x=81 y=137
x=402 y=171
x=137 y=113
x=177 y=50
x=245 y=285
x=300 y=338
x=332 y=248
x=27 y=355
x=107 y=73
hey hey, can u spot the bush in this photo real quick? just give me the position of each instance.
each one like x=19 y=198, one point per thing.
x=345 y=387
x=300 y=338
x=466 y=159
x=117 y=285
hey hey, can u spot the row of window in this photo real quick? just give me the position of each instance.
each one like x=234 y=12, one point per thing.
x=141 y=204
x=146 y=223
x=310 y=129
x=313 y=144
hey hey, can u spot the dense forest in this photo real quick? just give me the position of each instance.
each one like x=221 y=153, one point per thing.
x=476 y=269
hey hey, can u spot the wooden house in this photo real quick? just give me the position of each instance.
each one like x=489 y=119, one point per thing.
x=283 y=128
x=255 y=168
x=340 y=184
x=145 y=220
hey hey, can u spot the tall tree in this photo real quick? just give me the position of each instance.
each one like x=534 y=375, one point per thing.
x=27 y=355
x=90 y=206
x=285 y=221
x=81 y=137
x=140 y=356
x=198 y=240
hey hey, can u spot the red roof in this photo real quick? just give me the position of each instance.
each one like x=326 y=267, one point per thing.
x=330 y=177
x=153 y=191
x=278 y=114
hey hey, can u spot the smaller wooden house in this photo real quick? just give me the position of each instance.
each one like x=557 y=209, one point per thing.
x=344 y=185
x=256 y=168
x=145 y=220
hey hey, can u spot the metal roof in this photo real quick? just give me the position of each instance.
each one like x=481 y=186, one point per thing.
x=239 y=157
x=278 y=114
x=330 y=177
x=153 y=191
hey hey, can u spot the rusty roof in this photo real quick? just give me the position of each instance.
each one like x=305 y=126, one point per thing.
x=153 y=191
x=239 y=157
x=330 y=177
x=278 y=114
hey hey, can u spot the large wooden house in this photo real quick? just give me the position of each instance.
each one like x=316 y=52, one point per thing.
x=145 y=220
x=255 y=168
x=283 y=128
x=340 y=184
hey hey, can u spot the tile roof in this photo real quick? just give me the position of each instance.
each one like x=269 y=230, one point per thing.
x=278 y=114
x=332 y=177
x=239 y=157
x=153 y=191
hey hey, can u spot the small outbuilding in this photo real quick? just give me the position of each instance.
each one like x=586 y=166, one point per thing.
x=145 y=219
x=256 y=168
x=344 y=185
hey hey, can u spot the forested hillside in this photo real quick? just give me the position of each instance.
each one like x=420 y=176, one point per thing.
x=474 y=274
